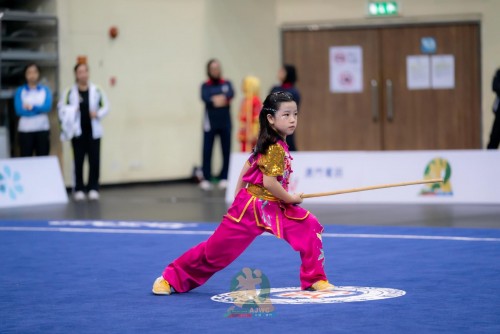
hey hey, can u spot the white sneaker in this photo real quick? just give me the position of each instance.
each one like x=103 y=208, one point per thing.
x=206 y=185
x=222 y=184
x=79 y=196
x=93 y=195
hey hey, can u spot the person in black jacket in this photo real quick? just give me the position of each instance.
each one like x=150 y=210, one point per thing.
x=495 y=131
x=287 y=75
x=216 y=93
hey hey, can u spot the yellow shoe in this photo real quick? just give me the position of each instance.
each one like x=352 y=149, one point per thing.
x=322 y=286
x=161 y=287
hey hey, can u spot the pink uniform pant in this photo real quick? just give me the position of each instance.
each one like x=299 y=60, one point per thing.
x=230 y=239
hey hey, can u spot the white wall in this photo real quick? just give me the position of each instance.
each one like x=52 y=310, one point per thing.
x=299 y=11
x=244 y=36
x=153 y=131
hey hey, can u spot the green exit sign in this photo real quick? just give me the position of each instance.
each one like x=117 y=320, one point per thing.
x=383 y=8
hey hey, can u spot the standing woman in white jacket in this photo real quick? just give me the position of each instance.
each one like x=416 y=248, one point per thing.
x=89 y=105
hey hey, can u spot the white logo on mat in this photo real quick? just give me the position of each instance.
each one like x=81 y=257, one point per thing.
x=341 y=294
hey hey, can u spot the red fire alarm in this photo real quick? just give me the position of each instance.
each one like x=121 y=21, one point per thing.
x=81 y=60
x=113 y=32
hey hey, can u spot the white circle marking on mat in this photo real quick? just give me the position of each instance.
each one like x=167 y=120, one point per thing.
x=341 y=294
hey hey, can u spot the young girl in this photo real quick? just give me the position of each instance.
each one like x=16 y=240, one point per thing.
x=262 y=203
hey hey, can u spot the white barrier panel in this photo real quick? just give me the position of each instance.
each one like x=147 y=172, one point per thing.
x=472 y=176
x=31 y=181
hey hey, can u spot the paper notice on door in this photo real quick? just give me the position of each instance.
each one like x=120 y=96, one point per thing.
x=346 y=69
x=443 y=71
x=418 y=72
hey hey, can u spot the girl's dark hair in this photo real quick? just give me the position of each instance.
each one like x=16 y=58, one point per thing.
x=291 y=74
x=78 y=65
x=267 y=135
x=31 y=65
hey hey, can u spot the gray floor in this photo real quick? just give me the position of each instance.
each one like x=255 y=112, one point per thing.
x=186 y=202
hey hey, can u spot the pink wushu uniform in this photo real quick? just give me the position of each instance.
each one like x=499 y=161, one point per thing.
x=254 y=211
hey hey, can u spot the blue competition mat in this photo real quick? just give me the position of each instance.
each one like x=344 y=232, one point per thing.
x=96 y=277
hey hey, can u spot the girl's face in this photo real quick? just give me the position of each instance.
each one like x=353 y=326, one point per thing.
x=285 y=119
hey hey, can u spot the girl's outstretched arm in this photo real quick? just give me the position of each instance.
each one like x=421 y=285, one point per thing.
x=240 y=184
x=275 y=188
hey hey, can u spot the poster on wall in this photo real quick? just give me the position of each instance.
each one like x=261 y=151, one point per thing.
x=346 y=69
x=443 y=71
x=418 y=72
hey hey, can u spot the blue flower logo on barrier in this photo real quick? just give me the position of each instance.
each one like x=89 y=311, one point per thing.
x=10 y=182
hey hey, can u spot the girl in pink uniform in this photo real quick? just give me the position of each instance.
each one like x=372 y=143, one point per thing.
x=262 y=203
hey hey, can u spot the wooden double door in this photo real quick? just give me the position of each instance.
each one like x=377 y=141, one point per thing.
x=386 y=114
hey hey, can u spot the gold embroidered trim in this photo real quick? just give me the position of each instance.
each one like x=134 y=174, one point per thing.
x=278 y=225
x=294 y=218
x=243 y=212
x=261 y=192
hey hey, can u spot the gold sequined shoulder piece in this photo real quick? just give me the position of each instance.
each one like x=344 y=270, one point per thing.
x=273 y=162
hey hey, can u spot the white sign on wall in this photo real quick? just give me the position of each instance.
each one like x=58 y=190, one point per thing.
x=471 y=176
x=346 y=69
x=426 y=72
x=31 y=181
x=418 y=72
x=443 y=71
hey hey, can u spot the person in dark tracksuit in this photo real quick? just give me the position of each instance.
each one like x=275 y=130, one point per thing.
x=216 y=93
x=495 y=131
x=287 y=75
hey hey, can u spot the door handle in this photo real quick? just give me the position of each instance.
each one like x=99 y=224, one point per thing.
x=390 y=106
x=374 y=85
